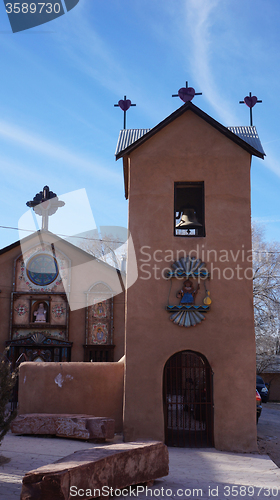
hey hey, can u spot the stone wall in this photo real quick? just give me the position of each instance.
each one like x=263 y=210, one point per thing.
x=88 y=388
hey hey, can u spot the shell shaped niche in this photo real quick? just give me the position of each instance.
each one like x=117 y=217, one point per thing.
x=189 y=267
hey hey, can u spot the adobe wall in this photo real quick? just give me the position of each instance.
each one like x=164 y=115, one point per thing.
x=88 y=388
x=189 y=149
x=6 y=273
x=119 y=325
x=274 y=380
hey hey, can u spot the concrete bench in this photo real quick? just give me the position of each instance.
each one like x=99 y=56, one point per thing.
x=97 y=471
x=63 y=425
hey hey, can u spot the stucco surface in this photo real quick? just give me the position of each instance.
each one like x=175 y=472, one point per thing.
x=88 y=388
x=274 y=389
x=189 y=149
x=119 y=319
x=6 y=273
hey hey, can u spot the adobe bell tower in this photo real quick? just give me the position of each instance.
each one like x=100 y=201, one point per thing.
x=190 y=342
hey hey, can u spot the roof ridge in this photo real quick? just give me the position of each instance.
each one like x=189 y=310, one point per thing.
x=124 y=147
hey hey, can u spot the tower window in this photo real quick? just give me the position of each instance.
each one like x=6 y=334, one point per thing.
x=189 y=209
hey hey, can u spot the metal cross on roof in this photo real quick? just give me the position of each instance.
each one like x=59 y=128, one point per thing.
x=186 y=93
x=45 y=204
x=250 y=101
x=124 y=104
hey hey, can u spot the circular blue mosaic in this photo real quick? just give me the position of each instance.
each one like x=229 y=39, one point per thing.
x=42 y=269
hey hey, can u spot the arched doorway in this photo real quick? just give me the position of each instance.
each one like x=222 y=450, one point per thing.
x=188 y=400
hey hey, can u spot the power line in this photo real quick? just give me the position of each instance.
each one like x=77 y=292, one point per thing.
x=111 y=241
x=65 y=235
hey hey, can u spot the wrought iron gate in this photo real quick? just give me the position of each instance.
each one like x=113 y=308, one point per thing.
x=188 y=401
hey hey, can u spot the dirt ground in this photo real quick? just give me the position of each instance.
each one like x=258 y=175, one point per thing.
x=269 y=431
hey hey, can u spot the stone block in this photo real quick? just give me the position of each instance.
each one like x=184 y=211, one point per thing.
x=71 y=426
x=85 y=427
x=34 y=423
x=97 y=470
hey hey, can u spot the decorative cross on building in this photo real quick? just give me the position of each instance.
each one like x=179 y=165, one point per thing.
x=250 y=101
x=186 y=93
x=45 y=204
x=124 y=104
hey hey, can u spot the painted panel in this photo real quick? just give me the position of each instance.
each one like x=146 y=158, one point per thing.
x=55 y=333
x=58 y=312
x=21 y=311
x=99 y=328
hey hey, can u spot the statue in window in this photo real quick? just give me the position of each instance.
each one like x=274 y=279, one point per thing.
x=40 y=314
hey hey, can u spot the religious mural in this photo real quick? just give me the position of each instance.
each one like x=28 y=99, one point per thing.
x=187 y=313
x=58 y=310
x=99 y=319
x=100 y=310
x=39 y=301
x=99 y=315
x=21 y=308
x=99 y=334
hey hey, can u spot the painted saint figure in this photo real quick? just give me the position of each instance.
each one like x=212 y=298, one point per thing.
x=187 y=293
x=40 y=314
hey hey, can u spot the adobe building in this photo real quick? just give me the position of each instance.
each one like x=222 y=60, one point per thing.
x=188 y=377
x=190 y=357
x=59 y=303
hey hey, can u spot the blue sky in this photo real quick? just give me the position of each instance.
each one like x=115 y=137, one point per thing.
x=60 y=81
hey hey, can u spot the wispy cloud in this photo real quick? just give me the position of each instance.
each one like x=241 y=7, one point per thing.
x=272 y=163
x=90 y=53
x=93 y=54
x=34 y=142
x=200 y=20
x=265 y=220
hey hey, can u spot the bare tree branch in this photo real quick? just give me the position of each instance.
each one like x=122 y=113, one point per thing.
x=266 y=293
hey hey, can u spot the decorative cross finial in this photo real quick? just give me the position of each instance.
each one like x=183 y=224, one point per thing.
x=250 y=101
x=45 y=204
x=186 y=93
x=124 y=104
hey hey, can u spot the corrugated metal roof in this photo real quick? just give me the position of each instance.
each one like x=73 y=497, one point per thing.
x=128 y=137
x=249 y=135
